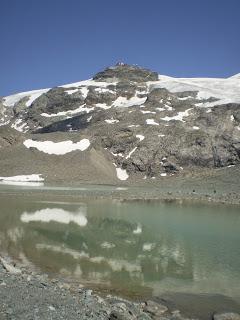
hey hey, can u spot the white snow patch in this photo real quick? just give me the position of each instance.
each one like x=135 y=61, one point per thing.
x=71 y=91
x=58 y=148
x=104 y=90
x=124 y=102
x=131 y=152
x=226 y=90
x=161 y=135
x=145 y=112
x=122 y=174
x=11 y=100
x=134 y=126
x=232 y=118
x=103 y=106
x=89 y=119
x=82 y=108
x=169 y=108
x=163 y=174
x=19 y=125
x=179 y=116
x=89 y=82
x=195 y=128
x=23 y=178
x=111 y=121
x=117 y=154
x=56 y=215
x=152 y=122
x=140 y=137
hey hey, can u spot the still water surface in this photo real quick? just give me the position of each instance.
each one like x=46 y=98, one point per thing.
x=138 y=247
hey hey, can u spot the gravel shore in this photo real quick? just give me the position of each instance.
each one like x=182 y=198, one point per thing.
x=26 y=295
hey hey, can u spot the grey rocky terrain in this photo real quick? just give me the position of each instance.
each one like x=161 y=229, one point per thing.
x=26 y=295
x=139 y=126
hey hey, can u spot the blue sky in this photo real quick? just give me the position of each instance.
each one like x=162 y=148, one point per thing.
x=51 y=42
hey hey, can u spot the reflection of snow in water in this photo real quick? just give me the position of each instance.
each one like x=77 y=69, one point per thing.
x=115 y=264
x=22 y=184
x=138 y=230
x=64 y=250
x=107 y=245
x=57 y=215
x=148 y=246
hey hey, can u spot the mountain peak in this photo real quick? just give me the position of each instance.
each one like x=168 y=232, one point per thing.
x=122 y=71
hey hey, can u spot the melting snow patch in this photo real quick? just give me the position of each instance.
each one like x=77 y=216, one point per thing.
x=19 y=126
x=58 y=148
x=152 y=122
x=140 y=137
x=122 y=174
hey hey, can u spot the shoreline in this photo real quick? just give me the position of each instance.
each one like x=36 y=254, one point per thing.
x=27 y=294
x=121 y=193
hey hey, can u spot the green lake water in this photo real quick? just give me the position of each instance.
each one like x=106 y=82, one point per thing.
x=142 y=248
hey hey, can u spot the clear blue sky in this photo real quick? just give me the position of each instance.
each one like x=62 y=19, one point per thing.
x=44 y=43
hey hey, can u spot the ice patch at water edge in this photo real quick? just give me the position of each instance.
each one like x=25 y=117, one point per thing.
x=24 y=178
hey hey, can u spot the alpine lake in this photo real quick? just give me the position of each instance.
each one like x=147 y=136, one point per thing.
x=133 y=248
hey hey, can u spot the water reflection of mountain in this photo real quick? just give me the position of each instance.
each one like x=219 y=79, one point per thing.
x=100 y=244
x=104 y=247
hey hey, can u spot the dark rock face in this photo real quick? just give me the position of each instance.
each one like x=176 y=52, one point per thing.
x=142 y=128
x=127 y=73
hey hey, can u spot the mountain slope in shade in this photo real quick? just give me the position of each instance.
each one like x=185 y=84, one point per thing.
x=138 y=125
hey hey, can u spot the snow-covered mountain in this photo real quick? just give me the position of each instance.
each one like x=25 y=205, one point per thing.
x=125 y=123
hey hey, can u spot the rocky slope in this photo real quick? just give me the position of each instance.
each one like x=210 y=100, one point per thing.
x=126 y=124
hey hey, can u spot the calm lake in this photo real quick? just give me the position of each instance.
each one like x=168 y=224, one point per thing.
x=142 y=248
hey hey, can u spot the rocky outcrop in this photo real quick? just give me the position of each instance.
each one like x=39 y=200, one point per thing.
x=138 y=124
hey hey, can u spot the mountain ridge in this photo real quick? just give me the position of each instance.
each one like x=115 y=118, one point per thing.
x=138 y=125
